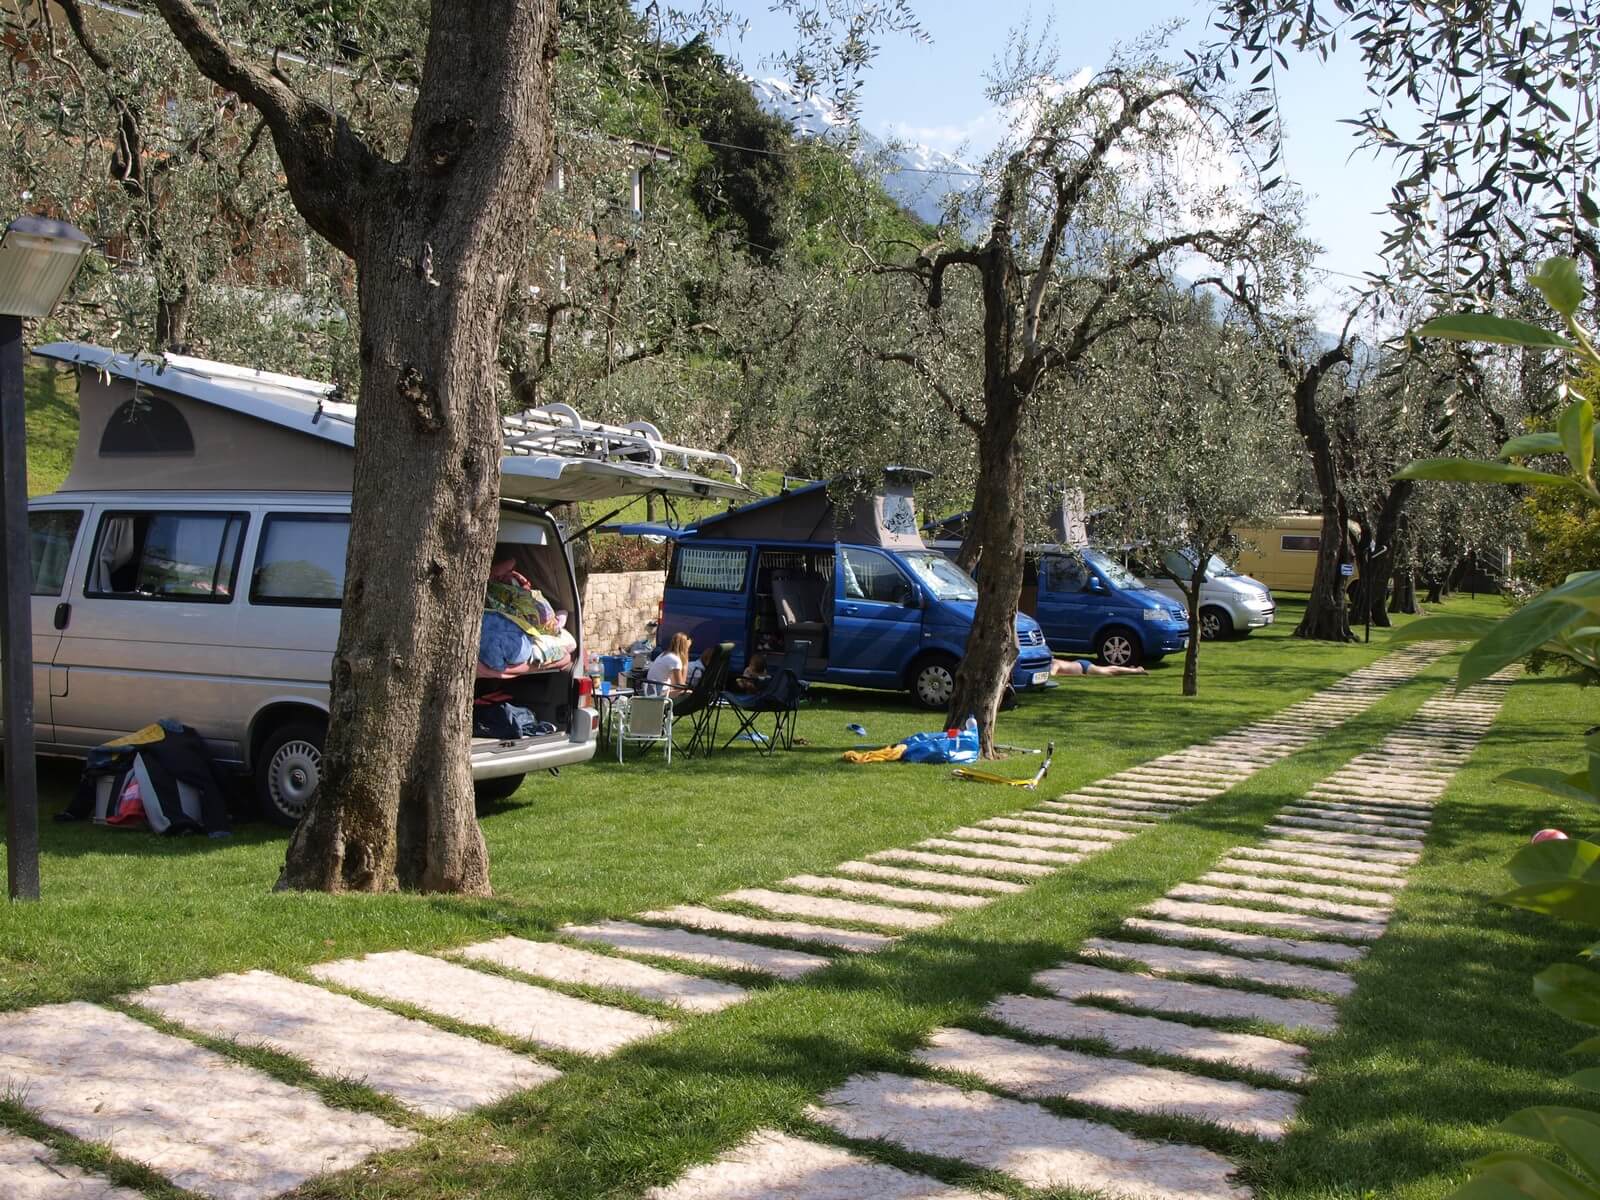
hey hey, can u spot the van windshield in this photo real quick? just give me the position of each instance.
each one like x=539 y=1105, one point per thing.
x=1117 y=575
x=1181 y=564
x=941 y=576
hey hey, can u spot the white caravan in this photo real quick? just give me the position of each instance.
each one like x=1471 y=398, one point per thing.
x=192 y=564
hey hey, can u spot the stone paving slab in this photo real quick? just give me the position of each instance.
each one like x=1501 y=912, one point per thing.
x=1409 y=810
x=1157 y=793
x=944 y=879
x=972 y=833
x=1303 y=842
x=962 y=862
x=1124 y=1031
x=1383 y=790
x=1089 y=817
x=568 y=964
x=203 y=1121
x=436 y=1073
x=1359 y=913
x=698 y=948
x=1181 y=960
x=1021 y=854
x=1113 y=804
x=1340 y=825
x=1357 y=816
x=888 y=892
x=693 y=916
x=1227 y=914
x=1022 y=1140
x=1058 y=829
x=1078 y=980
x=1036 y=1072
x=1267 y=882
x=776 y=1166
x=30 y=1170
x=830 y=909
x=1354 y=843
x=520 y=1010
x=1286 y=870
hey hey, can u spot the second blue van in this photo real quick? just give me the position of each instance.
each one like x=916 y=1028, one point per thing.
x=877 y=608
x=1087 y=601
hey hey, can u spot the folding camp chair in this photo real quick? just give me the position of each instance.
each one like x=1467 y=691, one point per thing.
x=645 y=719
x=701 y=702
x=779 y=699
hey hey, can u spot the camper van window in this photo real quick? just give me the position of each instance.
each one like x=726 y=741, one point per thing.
x=942 y=577
x=51 y=532
x=870 y=576
x=709 y=569
x=1300 y=541
x=1064 y=574
x=146 y=425
x=188 y=556
x=1117 y=575
x=301 y=560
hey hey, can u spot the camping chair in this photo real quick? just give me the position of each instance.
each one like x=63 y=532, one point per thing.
x=701 y=702
x=780 y=700
x=645 y=719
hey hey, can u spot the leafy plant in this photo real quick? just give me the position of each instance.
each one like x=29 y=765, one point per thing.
x=1559 y=878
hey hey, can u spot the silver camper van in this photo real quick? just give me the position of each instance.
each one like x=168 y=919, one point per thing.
x=192 y=564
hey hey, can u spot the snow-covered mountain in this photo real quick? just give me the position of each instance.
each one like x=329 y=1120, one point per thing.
x=918 y=178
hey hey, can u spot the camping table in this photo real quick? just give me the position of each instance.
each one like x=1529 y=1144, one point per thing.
x=605 y=706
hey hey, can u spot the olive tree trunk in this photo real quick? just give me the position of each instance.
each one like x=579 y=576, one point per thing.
x=997 y=528
x=1327 y=615
x=437 y=238
x=1191 y=654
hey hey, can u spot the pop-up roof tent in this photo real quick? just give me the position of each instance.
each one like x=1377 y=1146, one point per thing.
x=884 y=517
x=175 y=423
x=1069 y=523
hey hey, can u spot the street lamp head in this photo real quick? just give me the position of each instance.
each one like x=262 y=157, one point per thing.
x=38 y=258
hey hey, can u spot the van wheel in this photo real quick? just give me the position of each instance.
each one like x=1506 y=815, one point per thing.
x=1215 y=624
x=502 y=788
x=933 y=682
x=288 y=771
x=1120 y=648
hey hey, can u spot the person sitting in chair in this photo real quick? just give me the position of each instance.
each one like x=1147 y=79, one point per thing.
x=752 y=677
x=666 y=673
x=692 y=673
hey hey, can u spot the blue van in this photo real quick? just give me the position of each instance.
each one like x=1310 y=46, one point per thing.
x=877 y=608
x=1087 y=601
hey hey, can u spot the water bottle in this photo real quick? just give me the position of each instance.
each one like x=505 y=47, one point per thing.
x=972 y=725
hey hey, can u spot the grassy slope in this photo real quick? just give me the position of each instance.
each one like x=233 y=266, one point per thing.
x=52 y=416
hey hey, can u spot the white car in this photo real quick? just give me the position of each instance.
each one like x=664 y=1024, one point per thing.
x=1231 y=604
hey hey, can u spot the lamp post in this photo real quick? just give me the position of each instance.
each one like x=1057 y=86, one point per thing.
x=38 y=258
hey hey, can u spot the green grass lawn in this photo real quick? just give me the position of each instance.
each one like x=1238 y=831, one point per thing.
x=1441 y=1039
x=52 y=421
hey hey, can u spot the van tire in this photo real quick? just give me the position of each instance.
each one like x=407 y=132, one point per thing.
x=1120 y=647
x=487 y=791
x=1215 y=624
x=933 y=680
x=288 y=770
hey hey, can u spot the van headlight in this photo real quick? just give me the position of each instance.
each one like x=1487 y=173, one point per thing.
x=1154 y=614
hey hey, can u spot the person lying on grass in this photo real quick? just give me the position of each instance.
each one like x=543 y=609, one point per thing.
x=1082 y=666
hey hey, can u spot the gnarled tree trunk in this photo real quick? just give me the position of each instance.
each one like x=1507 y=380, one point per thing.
x=1327 y=616
x=1191 y=654
x=997 y=527
x=1378 y=558
x=436 y=239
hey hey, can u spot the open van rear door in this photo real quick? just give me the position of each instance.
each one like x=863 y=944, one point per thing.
x=554 y=456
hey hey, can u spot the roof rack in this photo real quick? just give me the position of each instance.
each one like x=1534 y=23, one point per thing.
x=558 y=429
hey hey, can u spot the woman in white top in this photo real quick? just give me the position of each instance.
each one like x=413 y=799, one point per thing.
x=666 y=673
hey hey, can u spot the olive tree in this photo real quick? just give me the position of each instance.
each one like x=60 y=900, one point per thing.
x=1103 y=186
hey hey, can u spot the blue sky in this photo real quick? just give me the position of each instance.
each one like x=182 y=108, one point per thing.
x=933 y=93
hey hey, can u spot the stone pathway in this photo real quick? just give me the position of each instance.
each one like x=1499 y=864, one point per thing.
x=218 y=1128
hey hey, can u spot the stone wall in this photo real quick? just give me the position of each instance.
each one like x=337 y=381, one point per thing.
x=616 y=607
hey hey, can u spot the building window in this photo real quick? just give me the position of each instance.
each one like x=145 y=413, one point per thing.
x=146 y=425
x=301 y=560
x=1300 y=541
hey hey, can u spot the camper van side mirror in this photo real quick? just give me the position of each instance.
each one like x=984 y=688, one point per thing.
x=1094 y=585
x=909 y=596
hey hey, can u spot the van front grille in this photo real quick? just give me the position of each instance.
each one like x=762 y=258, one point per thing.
x=1030 y=637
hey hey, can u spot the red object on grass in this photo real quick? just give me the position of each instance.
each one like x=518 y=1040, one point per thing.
x=1549 y=835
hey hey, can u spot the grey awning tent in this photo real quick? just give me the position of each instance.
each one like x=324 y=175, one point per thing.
x=884 y=517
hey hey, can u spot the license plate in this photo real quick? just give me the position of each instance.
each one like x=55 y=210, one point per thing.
x=1040 y=677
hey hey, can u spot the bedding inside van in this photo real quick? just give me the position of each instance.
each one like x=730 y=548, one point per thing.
x=525 y=648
